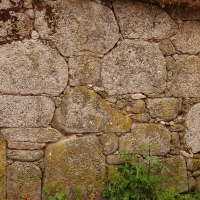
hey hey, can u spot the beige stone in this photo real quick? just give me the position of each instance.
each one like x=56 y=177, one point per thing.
x=2 y=169
x=191 y=183
x=76 y=162
x=170 y=63
x=30 y=67
x=25 y=111
x=153 y=136
x=166 y=47
x=165 y=109
x=138 y=96
x=84 y=111
x=14 y=26
x=138 y=106
x=198 y=183
x=134 y=67
x=185 y=82
x=32 y=135
x=143 y=21
x=142 y=118
x=23 y=179
x=187 y=39
x=193 y=164
x=193 y=128
x=109 y=143
x=77 y=27
x=84 y=70
x=6 y=4
x=25 y=145
x=177 y=127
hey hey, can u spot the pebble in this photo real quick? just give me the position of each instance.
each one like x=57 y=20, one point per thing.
x=34 y=35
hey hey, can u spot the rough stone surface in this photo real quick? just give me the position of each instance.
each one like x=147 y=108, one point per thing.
x=2 y=169
x=23 y=179
x=185 y=82
x=77 y=27
x=187 y=39
x=25 y=111
x=166 y=47
x=165 y=109
x=84 y=70
x=170 y=63
x=134 y=67
x=136 y=107
x=25 y=145
x=109 y=143
x=14 y=26
x=82 y=110
x=30 y=67
x=155 y=136
x=30 y=134
x=193 y=164
x=6 y=4
x=25 y=155
x=193 y=128
x=143 y=21
x=76 y=162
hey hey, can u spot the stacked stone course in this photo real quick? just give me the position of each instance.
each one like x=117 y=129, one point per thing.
x=82 y=81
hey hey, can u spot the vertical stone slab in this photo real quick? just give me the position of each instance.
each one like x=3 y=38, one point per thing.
x=23 y=179
x=2 y=169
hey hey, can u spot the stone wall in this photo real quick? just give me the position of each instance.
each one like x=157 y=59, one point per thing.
x=83 y=80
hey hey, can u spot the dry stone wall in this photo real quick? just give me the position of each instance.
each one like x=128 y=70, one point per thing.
x=81 y=81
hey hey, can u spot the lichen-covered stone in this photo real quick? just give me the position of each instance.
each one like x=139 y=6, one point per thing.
x=141 y=20
x=84 y=70
x=25 y=111
x=187 y=39
x=109 y=143
x=165 y=109
x=153 y=136
x=185 y=82
x=25 y=145
x=14 y=26
x=77 y=27
x=23 y=179
x=2 y=169
x=193 y=128
x=30 y=67
x=83 y=111
x=134 y=67
x=25 y=155
x=30 y=134
x=76 y=162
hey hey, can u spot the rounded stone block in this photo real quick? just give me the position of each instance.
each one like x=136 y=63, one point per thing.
x=84 y=111
x=134 y=67
x=145 y=137
x=76 y=162
x=77 y=27
x=25 y=111
x=30 y=67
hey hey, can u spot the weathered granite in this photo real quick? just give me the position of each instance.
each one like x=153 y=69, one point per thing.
x=143 y=21
x=37 y=135
x=138 y=106
x=84 y=111
x=134 y=67
x=30 y=67
x=6 y=4
x=153 y=136
x=193 y=128
x=23 y=179
x=77 y=27
x=25 y=111
x=167 y=47
x=75 y=162
x=25 y=145
x=165 y=109
x=187 y=39
x=2 y=169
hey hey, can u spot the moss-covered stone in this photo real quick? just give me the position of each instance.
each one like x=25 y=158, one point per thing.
x=76 y=162
x=82 y=110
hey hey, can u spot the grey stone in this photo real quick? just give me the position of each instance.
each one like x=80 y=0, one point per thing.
x=23 y=179
x=25 y=111
x=165 y=109
x=187 y=39
x=143 y=21
x=25 y=155
x=153 y=136
x=77 y=27
x=134 y=67
x=76 y=162
x=84 y=70
x=193 y=128
x=84 y=111
x=25 y=145
x=32 y=135
x=30 y=67
x=185 y=82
